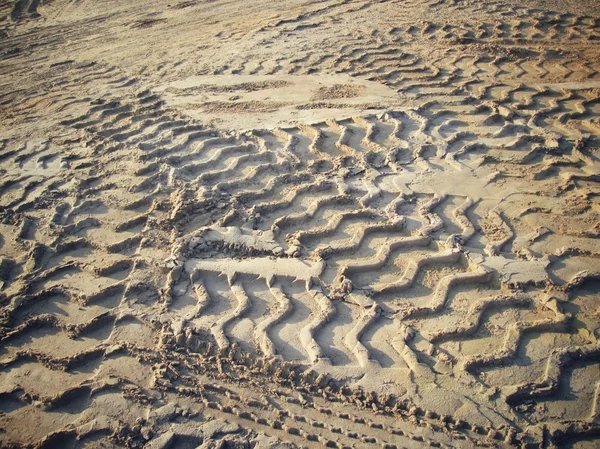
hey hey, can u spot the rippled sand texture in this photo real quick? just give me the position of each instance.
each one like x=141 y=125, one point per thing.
x=339 y=223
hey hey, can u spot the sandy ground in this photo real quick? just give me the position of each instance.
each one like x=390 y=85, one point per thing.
x=333 y=223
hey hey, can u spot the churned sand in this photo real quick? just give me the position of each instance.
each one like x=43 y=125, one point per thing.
x=334 y=223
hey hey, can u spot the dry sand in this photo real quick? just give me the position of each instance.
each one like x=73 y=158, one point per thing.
x=334 y=223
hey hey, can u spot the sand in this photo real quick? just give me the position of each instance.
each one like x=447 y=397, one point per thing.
x=338 y=223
